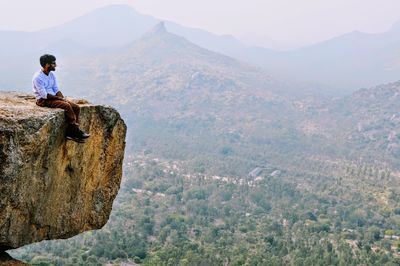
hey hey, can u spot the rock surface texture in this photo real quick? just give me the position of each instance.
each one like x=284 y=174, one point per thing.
x=50 y=187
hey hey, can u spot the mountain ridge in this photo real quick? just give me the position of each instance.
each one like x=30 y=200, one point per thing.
x=343 y=63
x=172 y=81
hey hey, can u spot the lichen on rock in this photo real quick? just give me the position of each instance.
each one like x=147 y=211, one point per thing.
x=50 y=187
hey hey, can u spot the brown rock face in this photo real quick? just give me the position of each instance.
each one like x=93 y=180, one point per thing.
x=51 y=187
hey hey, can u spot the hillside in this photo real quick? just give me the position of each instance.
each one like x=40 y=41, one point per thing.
x=164 y=82
x=366 y=121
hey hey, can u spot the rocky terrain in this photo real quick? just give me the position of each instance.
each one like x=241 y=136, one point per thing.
x=53 y=188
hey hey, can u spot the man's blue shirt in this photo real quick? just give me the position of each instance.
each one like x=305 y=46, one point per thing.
x=43 y=84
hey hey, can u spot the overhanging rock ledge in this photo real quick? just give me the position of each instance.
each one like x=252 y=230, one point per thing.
x=51 y=188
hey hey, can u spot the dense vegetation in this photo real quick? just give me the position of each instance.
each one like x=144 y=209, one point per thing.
x=166 y=214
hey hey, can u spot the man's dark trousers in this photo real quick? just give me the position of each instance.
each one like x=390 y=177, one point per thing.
x=71 y=109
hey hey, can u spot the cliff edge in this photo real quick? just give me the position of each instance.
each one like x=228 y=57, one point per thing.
x=50 y=187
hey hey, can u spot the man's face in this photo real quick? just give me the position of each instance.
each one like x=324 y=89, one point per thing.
x=51 y=66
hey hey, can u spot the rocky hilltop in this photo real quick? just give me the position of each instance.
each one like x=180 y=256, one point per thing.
x=53 y=188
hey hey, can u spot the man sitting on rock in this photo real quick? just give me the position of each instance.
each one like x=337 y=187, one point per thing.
x=48 y=95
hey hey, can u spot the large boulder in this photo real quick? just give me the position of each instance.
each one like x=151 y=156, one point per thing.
x=50 y=187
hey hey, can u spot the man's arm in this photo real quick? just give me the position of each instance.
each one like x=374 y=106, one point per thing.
x=40 y=90
x=55 y=85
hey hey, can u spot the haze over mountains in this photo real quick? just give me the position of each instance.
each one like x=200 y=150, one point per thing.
x=159 y=76
x=343 y=64
x=164 y=81
x=164 y=61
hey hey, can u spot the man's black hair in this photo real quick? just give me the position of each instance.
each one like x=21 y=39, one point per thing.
x=47 y=58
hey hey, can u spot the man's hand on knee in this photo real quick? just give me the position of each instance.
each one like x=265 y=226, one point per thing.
x=59 y=94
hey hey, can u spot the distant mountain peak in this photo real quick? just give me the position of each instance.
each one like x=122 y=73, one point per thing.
x=157 y=29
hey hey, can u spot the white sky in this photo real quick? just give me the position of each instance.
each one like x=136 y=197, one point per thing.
x=289 y=22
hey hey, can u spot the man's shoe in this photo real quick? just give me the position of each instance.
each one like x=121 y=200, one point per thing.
x=82 y=134
x=79 y=140
x=73 y=133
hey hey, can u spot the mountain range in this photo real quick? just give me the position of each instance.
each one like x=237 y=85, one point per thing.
x=340 y=65
x=164 y=83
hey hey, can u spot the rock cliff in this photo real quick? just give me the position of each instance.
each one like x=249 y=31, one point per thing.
x=52 y=188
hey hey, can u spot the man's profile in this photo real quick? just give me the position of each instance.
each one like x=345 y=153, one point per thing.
x=47 y=94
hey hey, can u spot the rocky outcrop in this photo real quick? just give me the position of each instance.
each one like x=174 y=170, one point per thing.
x=51 y=187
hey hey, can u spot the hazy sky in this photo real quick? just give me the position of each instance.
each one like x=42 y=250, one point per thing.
x=291 y=22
